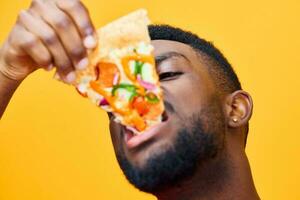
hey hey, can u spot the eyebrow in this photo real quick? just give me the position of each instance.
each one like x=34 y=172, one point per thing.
x=168 y=55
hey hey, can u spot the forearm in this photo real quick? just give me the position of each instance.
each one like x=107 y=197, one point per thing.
x=7 y=89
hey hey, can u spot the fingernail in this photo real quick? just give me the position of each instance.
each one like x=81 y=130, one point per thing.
x=90 y=42
x=49 y=68
x=82 y=64
x=70 y=78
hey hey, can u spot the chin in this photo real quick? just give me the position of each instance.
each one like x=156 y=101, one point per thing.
x=152 y=148
x=138 y=149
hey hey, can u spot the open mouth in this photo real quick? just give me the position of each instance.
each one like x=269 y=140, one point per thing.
x=133 y=140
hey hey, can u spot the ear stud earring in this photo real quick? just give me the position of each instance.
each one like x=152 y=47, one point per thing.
x=235 y=120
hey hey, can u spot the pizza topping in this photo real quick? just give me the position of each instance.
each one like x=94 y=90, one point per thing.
x=148 y=86
x=138 y=67
x=124 y=91
x=152 y=98
x=107 y=74
x=147 y=73
x=138 y=122
x=141 y=105
x=140 y=61
x=136 y=96
x=103 y=102
x=121 y=75
x=116 y=79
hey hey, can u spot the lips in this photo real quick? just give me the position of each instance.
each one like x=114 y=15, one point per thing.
x=133 y=141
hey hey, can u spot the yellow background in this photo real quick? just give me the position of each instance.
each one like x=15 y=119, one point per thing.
x=55 y=145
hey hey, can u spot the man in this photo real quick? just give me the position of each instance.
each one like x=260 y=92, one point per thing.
x=198 y=151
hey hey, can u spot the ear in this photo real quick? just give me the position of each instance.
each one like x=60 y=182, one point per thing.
x=239 y=108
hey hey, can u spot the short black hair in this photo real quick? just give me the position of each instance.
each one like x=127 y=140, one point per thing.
x=222 y=72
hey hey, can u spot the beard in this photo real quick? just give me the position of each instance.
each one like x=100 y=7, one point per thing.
x=200 y=138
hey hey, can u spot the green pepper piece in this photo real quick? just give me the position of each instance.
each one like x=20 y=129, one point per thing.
x=138 y=67
x=132 y=96
x=130 y=88
x=152 y=98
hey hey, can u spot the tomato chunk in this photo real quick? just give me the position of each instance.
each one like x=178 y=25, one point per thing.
x=141 y=105
x=107 y=72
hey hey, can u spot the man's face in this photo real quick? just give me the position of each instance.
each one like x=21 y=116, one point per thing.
x=194 y=129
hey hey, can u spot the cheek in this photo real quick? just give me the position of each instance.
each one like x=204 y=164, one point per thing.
x=115 y=130
x=186 y=94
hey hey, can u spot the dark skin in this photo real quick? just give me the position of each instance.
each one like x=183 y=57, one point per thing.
x=58 y=33
x=181 y=60
x=196 y=83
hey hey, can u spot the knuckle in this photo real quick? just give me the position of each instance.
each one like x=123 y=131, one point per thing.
x=29 y=42
x=87 y=28
x=50 y=38
x=44 y=60
x=61 y=21
x=71 y=4
x=10 y=55
x=77 y=52
x=36 y=2
x=64 y=66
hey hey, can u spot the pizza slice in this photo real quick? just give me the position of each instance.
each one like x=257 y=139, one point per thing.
x=121 y=77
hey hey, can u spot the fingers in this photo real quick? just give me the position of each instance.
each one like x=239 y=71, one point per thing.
x=66 y=30
x=55 y=32
x=48 y=36
x=79 y=14
x=24 y=41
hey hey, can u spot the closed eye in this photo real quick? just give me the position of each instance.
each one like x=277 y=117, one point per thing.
x=166 y=76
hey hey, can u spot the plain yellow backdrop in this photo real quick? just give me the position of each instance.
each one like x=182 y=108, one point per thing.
x=55 y=145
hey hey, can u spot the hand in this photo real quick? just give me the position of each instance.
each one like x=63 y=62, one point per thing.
x=50 y=33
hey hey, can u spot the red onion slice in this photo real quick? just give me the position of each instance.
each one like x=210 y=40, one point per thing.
x=148 y=86
x=116 y=79
x=103 y=102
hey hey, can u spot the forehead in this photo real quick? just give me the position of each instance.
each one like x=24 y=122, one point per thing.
x=163 y=46
x=196 y=62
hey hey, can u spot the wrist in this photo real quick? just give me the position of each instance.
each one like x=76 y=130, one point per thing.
x=9 y=74
x=6 y=78
x=7 y=88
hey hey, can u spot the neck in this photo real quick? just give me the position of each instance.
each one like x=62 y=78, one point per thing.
x=227 y=176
